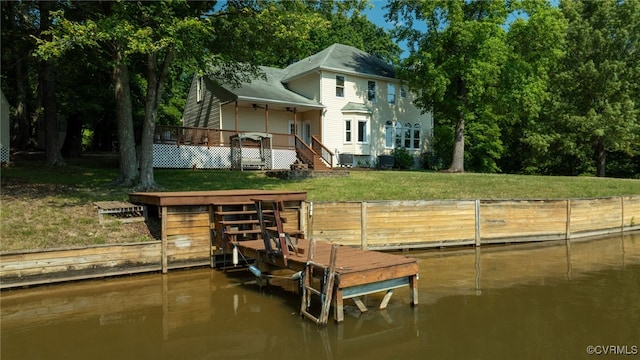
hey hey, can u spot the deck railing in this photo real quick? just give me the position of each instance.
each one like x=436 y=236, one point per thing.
x=304 y=152
x=322 y=150
x=180 y=135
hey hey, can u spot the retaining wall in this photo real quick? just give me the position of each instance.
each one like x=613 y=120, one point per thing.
x=379 y=225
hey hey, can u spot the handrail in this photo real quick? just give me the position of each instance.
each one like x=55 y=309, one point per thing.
x=320 y=148
x=305 y=153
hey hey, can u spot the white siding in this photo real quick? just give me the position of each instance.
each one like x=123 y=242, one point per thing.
x=356 y=92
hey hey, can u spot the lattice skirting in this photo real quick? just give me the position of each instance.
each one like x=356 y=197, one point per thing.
x=4 y=154
x=187 y=156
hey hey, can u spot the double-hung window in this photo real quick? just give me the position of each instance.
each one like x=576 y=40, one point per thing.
x=348 y=132
x=339 y=86
x=371 y=91
x=362 y=131
x=391 y=93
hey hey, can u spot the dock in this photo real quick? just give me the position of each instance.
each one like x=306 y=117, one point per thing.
x=358 y=272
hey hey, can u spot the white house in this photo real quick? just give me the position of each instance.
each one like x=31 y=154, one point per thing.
x=344 y=98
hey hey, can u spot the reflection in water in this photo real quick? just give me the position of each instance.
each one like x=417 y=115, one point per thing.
x=521 y=301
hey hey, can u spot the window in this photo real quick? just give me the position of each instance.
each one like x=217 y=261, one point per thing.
x=371 y=91
x=362 y=131
x=347 y=131
x=391 y=93
x=398 y=129
x=339 y=86
x=397 y=135
x=403 y=92
x=416 y=136
x=388 y=135
x=199 y=95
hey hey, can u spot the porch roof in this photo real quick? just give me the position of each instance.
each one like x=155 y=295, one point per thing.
x=268 y=91
x=352 y=107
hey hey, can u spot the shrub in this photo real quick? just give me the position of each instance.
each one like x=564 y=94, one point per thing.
x=402 y=159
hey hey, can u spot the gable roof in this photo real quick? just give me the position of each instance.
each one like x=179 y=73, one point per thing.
x=340 y=58
x=273 y=89
x=269 y=90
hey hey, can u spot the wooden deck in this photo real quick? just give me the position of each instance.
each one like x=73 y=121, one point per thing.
x=358 y=272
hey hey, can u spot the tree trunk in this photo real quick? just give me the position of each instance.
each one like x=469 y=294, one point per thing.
x=124 y=117
x=601 y=160
x=72 y=147
x=155 y=84
x=53 y=155
x=457 y=161
x=22 y=129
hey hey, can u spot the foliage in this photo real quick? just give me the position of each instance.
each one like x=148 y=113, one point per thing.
x=454 y=64
x=402 y=159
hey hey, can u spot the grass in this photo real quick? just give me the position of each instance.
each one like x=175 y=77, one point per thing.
x=45 y=208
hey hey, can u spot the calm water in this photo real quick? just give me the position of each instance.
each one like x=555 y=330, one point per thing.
x=503 y=302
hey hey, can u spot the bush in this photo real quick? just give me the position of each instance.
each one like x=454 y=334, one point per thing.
x=402 y=159
x=430 y=161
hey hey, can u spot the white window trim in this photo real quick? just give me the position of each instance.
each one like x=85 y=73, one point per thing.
x=344 y=130
x=395 y=95
x=401 y=131
x=199 y=90
x=375 y=91
x=366 y=128
x=344 y=86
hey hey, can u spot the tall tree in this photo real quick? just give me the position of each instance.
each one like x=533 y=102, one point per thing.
x=53 y=156
x=457 y=49
x=599 y=83
x=536 y=40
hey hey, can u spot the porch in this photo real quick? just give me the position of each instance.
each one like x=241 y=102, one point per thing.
x=203 y=148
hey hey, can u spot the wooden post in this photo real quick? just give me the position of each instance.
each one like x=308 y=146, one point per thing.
x=266 y=118
x=165 y=263
x=413 y=289
x=363 y=225
x=236 y=108
x=478 y=222
x=622 y=214
x=568 y=229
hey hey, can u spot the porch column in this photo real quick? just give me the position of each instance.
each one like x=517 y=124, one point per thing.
x=295 y=121
x=266 y=118
x=236 y=116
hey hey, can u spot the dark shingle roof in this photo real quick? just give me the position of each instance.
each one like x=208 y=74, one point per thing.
x=271 y=90
x=340 y=58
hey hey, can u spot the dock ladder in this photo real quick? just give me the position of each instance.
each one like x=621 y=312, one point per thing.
x=326 y=288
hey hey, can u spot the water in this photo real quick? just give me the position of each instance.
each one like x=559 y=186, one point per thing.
x=552 y=301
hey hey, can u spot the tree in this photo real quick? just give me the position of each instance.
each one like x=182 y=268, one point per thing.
x=536 y=40
x=598 y=85
x=454 y=64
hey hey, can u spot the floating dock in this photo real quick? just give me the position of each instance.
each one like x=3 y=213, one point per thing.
x=357 y=272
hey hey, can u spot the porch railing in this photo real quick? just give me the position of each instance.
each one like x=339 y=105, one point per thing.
x=180 y=135
x=322 y=150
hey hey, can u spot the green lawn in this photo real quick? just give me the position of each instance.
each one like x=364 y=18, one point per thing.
x=52 y=207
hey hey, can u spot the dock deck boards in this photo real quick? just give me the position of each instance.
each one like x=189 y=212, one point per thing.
x=358 y=272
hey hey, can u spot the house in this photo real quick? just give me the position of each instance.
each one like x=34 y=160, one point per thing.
x=341 y=100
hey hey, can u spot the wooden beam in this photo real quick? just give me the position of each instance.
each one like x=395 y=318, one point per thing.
x=165 y=245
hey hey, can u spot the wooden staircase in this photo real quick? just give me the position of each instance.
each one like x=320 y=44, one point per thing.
x=317 y=156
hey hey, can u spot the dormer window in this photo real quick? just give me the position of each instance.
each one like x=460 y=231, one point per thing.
x=371 y=90
x=339 y=86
